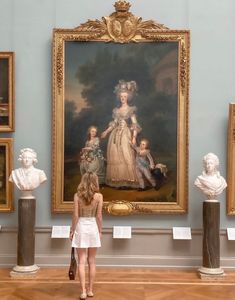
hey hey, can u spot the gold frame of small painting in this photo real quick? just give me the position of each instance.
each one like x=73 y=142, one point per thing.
x=231 y=162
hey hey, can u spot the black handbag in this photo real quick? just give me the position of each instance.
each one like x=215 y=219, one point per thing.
x=73 y=266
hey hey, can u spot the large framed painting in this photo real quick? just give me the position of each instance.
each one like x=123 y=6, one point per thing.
x=6 y=91
x=231 y=162
x=6 y=188
x=120 y=109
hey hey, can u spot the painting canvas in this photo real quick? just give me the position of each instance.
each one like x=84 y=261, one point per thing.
x=5 y=169
x=120 y=110
x=6 y=91
x=92 y=70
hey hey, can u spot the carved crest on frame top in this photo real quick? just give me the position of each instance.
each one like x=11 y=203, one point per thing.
x=121 y=26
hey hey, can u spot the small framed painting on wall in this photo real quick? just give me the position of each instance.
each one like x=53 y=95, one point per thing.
x=6 y=188
x=6 y=91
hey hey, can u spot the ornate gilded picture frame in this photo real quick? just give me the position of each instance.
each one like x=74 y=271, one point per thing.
x=6 y=188
x=231 y=162
x=120 y=109
x=7 y=91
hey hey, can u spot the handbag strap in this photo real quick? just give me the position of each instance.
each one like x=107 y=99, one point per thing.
x=72 y=253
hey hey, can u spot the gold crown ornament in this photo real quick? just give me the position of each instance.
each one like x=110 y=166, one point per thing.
x=122 y=6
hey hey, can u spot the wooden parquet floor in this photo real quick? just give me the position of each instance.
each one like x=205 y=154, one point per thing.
x=119 y=284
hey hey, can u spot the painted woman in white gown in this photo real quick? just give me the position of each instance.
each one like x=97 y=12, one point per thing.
x=121 y=169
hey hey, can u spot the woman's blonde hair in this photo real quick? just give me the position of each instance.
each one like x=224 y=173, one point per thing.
x=88 y=186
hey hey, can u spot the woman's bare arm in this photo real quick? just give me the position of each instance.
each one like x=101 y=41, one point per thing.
x=75 y=215
x=99 y=217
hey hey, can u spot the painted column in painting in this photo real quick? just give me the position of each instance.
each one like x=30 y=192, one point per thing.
x=27 y=178
x=212 y=184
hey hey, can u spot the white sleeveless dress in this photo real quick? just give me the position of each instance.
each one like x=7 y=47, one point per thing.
x=86 y=233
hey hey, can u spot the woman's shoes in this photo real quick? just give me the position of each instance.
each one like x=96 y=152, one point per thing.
x=90 y=294
x=83 y=296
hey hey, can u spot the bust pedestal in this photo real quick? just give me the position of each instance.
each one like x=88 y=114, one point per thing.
x=211 y=241
x=26 y=238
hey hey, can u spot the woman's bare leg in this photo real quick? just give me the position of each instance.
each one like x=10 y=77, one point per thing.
x=82 y=255
x=92 y=267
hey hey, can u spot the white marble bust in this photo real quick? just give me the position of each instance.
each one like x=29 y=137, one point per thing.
x=211 y=183
x=27 y=178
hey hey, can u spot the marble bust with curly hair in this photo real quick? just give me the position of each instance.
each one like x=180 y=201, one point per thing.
x=27 y=178
x=211 y=183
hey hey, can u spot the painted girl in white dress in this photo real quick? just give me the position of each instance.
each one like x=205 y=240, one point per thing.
x=121 y=169
x=91 y=156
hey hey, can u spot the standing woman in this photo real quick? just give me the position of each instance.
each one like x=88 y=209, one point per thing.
x=86 y=228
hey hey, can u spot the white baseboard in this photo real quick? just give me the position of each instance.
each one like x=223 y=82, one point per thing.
x=147 y=248
x=57 y=261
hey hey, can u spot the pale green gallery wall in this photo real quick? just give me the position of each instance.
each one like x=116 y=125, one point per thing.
x=26 y=28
